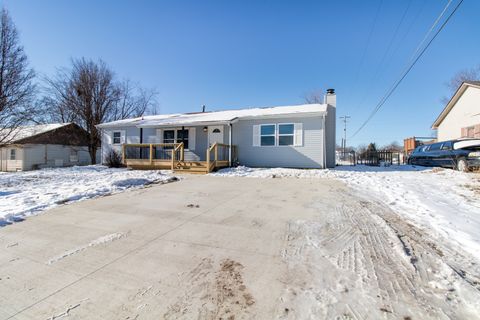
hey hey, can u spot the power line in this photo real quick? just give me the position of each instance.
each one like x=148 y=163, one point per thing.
x=375 y=19
x=384 y=56
x=405 y=73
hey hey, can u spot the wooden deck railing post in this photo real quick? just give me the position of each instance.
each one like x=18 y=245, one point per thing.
x=151 y=153
x=216 y=152
x=173 y=157
x=124 y=149
x=208 y=160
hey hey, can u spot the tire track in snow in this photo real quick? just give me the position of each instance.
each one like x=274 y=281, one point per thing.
x=363 y=261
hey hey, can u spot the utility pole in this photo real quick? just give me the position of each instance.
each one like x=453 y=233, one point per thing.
x=344 y=119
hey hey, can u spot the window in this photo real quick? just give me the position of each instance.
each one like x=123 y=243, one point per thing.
x=117 y=137
x=267 y=135
x=285 y=134
x=470 y=132
x=435 y=147
x=13 y=154
x=168 y=136
x=176 y=136
x=447 y=145
x=281 y=134
x=182 y=136
x=73 y=156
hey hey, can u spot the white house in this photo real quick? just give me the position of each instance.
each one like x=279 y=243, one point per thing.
x=46 y=145
x=299 y=136
x=461 y=116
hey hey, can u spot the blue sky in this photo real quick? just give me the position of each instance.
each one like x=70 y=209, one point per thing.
x=234 y=54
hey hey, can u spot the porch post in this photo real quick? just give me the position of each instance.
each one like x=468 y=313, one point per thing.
x=230 y=144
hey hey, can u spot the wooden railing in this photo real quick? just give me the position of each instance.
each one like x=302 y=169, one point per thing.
x=173 y=152
x=218 y=155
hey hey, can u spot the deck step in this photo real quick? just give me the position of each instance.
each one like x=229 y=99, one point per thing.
x=191 y=167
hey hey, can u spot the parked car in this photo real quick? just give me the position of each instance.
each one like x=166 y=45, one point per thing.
x=462 y=155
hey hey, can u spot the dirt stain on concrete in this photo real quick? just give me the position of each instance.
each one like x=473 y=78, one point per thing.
x=214 y=291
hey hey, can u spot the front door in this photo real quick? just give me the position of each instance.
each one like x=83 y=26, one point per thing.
x=215 y=134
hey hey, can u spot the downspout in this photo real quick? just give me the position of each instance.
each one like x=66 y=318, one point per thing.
x=230 y=143
x=101 y=146
x=324 y=142
x=141 y=142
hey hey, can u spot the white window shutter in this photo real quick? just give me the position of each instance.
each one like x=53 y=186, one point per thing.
x=256 y=135
x=159 y=137
x=122 y=136
x=298 y=129
x=191 y=138
x=108 y=137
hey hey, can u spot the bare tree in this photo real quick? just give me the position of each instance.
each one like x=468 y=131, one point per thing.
x=469 y=74
x=16 y=81
x=315 y=96
x=134 y=101
x=87 y=95
x=393 y=146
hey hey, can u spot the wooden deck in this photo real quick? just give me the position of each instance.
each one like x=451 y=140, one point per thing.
x=171 y=157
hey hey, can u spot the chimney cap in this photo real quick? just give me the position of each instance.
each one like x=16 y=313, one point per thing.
x=330 y=91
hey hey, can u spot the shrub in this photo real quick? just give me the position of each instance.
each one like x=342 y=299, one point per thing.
x=114 y=159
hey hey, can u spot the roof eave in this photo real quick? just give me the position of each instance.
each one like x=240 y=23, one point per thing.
x=453 y=100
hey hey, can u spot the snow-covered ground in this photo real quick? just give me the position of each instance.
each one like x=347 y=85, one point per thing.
x=445 y=203
x=27 y=193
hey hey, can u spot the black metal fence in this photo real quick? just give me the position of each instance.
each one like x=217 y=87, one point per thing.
x=370 y=158
x=378 y=158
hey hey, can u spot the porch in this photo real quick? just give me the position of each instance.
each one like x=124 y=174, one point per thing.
x=171 y=156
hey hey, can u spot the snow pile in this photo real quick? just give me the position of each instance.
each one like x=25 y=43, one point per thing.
x=27 y=193
x=444 y=202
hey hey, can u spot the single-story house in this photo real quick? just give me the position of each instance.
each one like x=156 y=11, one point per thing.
x=300 y=136
x=41 y=146
x=461 y=116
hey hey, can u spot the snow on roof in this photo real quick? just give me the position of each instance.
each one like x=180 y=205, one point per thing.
x=23 y=132
x=216 y=116
x=466 y=143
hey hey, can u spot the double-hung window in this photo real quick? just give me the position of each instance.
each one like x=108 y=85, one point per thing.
x=117 y=137
x=13 y=154
x=286 y=133
x=267 y=135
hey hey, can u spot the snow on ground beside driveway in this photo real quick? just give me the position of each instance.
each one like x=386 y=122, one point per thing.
x=27 y=193
x=444 y=202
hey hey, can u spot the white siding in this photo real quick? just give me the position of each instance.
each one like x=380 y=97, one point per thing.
x=6 y=164
x=465 y=113
x=308 y=155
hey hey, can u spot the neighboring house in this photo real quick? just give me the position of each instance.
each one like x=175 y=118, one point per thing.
x=461 y=116
x=46 y=145
x=301 y=136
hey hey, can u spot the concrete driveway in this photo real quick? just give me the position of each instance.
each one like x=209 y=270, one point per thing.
x=224 y=248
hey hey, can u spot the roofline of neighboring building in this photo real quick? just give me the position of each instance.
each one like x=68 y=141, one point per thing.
x=461 y=89
x=15 y=141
